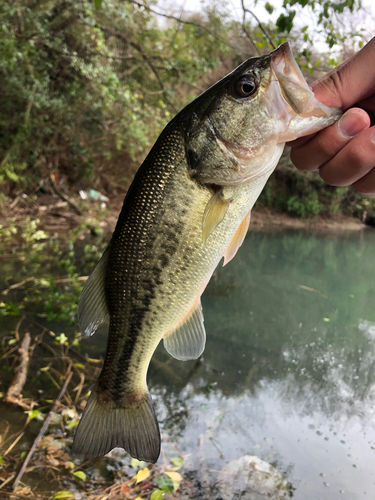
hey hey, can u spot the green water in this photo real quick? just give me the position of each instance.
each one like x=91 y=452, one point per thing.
x=288 y=373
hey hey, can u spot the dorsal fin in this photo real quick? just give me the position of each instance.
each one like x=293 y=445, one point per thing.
x=237 y=240
x=92 y=306
x=189 y=338
x=214 y=213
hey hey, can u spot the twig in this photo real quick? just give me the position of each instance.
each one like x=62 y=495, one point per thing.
x=17 y=329
x=143 y=54
x=12 y=436
x=64 y=197
x=182 y=21
x=14 y=392
x=309 y=289
x=32 y=278
x=8 y=480
x=264 y=31
x=42 y=430
x=20 y=435
x=18 y=285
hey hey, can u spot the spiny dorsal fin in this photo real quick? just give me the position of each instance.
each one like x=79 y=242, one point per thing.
x=189 y=338
x=214 y=213
x=92 y=305
x=237 y=240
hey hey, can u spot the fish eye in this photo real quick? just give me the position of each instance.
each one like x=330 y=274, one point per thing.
x=246 y=86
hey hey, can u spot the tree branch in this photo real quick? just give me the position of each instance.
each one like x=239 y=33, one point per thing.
x=182 y=21
x=13 y=395
x=43 y=429
x=139 y=49
x=264 y=31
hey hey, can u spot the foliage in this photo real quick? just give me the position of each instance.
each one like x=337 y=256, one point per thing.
x=36 y=303
x=306 y=195
x=82 y=78
x=80 y=84
x=49 y=271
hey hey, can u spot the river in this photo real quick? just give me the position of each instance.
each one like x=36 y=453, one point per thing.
x=288 y=373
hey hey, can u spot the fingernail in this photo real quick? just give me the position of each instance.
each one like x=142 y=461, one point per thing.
x=352 y=123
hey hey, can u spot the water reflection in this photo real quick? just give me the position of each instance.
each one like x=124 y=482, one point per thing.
x=289 y=369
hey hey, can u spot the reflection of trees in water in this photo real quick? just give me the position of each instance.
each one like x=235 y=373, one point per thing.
x=261 y=326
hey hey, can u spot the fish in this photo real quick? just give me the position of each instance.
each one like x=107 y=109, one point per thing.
x=187 y=208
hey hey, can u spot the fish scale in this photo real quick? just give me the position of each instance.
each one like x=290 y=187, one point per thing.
x=188 y=206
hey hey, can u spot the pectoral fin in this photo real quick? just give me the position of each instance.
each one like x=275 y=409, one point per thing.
x=214 y=213
x=92 y=305
x=189 y=338
x=237 y=240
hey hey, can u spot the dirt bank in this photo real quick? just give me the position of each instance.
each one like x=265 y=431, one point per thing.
x=59 y=216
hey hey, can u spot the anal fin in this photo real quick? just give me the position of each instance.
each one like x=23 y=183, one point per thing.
x=189 y=338
x=237 y=240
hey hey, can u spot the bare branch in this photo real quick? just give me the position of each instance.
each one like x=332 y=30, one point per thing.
x=139 y=49
x=182 y=21
x=13 y=395
x=248 y=35
x=43 y=429
x=264 y=31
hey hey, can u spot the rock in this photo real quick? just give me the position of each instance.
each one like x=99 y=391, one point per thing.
x=250 y=478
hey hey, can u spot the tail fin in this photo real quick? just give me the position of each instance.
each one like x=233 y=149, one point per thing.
x=103 y=428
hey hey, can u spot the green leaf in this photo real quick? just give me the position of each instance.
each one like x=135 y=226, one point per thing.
x=12 y=341
x=73 y=423
x=98 y=4
x=12 y=176
x=81 y=476
x=1 y=460
x=165 y=483
x=62 y=339
x=268 y=7
x=63 y=494
x=137 y=464
x=285 y=23
x=33 y=413
x=157 y=495
x=178 y=461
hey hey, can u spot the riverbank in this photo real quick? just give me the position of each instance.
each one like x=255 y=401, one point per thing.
x=58 y=215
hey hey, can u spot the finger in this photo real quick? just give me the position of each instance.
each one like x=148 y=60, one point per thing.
x=328 y=142
x=349 y=83
x=300 y=141
x=366 y=185
x=352 y=162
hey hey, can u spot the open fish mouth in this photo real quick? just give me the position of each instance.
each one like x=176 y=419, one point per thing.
x=295 y=90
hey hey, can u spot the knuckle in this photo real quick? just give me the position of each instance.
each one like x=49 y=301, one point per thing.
x=364 y=187
x=331 y=177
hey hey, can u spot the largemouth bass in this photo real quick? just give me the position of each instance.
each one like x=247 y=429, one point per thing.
x=187 y=208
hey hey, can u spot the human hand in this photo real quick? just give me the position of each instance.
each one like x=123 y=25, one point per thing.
x=344 y=153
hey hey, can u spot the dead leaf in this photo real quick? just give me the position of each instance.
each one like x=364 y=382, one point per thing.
x=142 y=475
x=52 y=461
x=125 y=490
x=175 y=476
x=44 y=442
